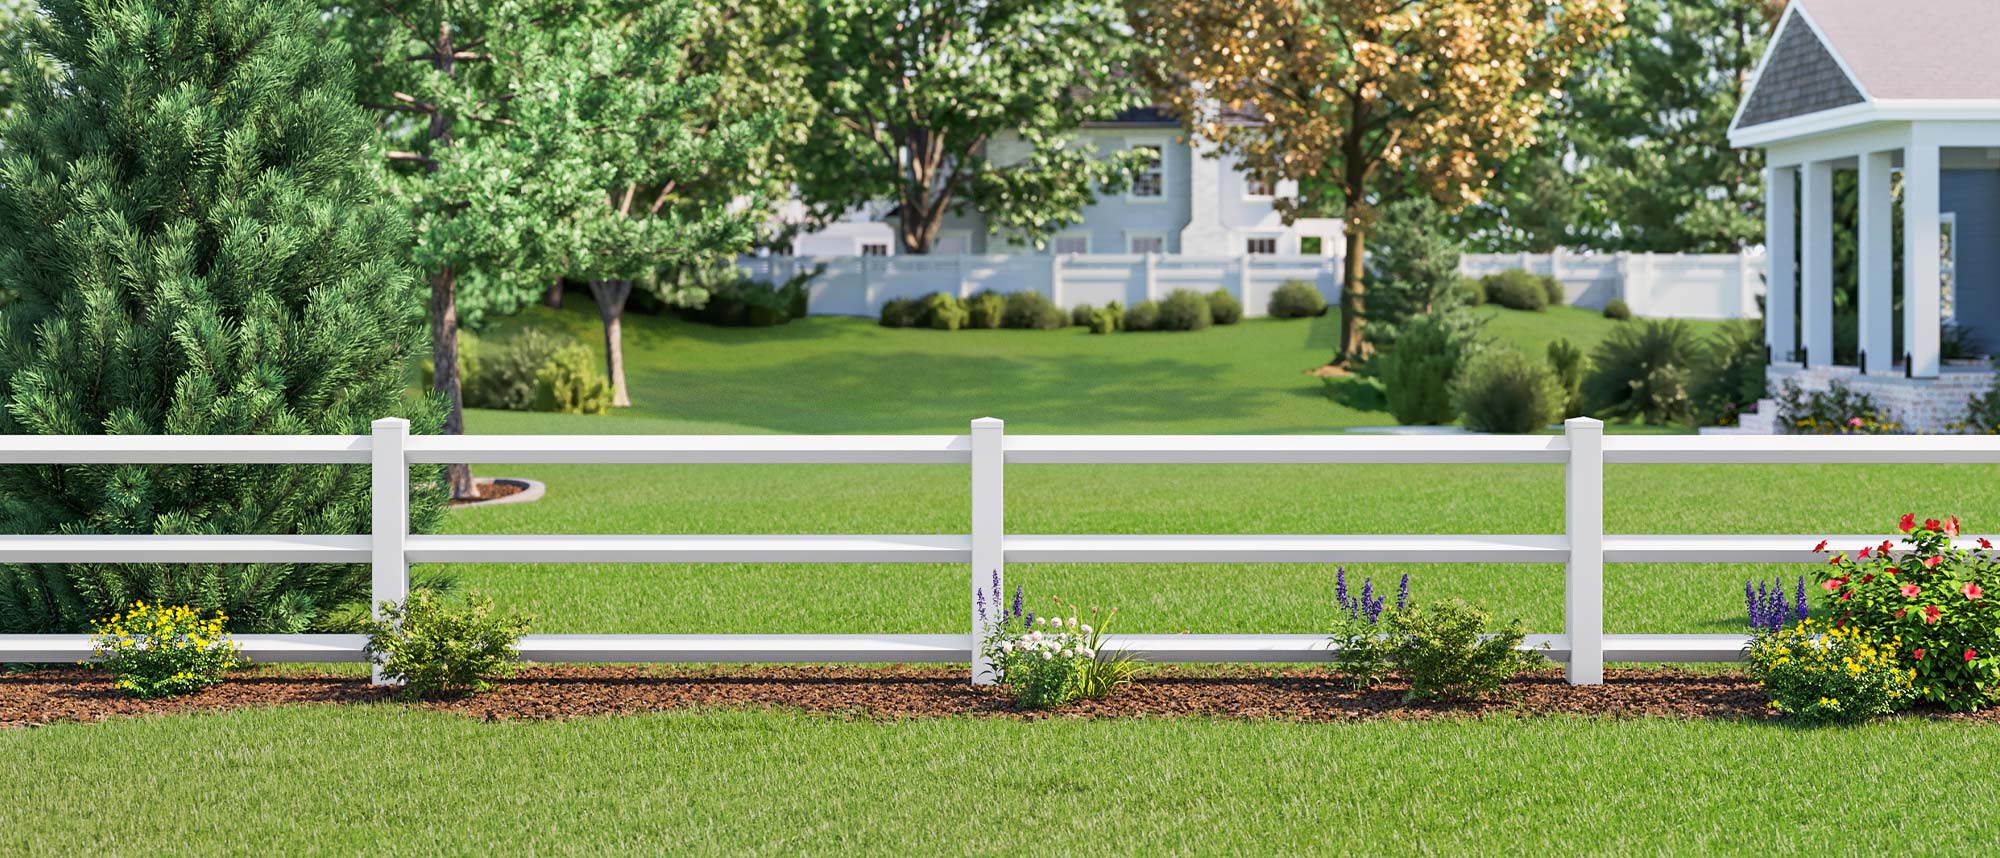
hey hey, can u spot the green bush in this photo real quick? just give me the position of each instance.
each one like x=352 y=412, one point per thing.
x=1731 y=375
x=1223 y=307
x=156 y=651
x=1644 y=372
x=1818 y=674
x=1107 y=319
x=1504 y=391
x=1297 y=299
x=1032 y=311
x=984 y=310
x=434 y=648
x=1566 y=361
x=1439 y=647
x=735 y=300
x=1413 y=262
x=1144 y=316
x=1558 y=295
x=503 y=376
x=1516 y=290
x=1080 y=315
x=1184 y=310
x=942 y=312
x=1473 y=291
x=1617 y=310
x=1417 y=377
x=901 y=312
x=572 y=383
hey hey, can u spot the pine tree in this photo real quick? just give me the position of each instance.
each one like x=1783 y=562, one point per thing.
x=191 y=235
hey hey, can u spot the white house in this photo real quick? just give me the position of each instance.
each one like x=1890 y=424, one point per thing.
x=1192 y=202
x=1908 y=89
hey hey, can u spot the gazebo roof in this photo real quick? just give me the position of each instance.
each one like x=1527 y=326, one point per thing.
x=1835 y=64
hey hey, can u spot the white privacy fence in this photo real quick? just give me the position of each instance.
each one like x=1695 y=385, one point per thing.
x=1705 y=286
x=986 y=550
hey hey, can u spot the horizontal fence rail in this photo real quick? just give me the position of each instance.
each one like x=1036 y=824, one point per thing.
x=1582 y=548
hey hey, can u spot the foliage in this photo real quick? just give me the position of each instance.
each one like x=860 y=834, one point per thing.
x=570 y=383
x=1296 y=299
x=1504 y=391
x=158 y=651
x=1731 y=377
x=1418 y=377
x=1032 y=311
x=194 y=246
x=1617 y=310
x=1359 y=650
x=736 y=300
x=1568 y=364
x=1223 y=307
x=1472 y=291
x=1144 y=316
x=503 y=376
x=1931 y=600
x=1837 y=410
x=1644 y=373
x=1361 y=101
x=436 y=648
x=985 y=309
x=1819 y=674
x=17 y=18
x=1079 y=316
x=907 y=99
x=1108 y=319
x=1982 y=415
x=1438 y=645
x=1184 y=310
x=1767 y=607
x=1556 y=292
x=1516 y=290
x=1413 y=269
x=1048 y=661
x=902 y=312
x=943 y=312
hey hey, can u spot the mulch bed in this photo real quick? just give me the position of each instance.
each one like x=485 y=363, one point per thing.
x=554 y=692
x=490 y=490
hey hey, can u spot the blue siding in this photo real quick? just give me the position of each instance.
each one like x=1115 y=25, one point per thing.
x=1974 y=197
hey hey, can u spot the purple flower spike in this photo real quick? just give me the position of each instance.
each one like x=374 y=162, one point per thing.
x=1403 y=592
x=1799 y=607
x=1340 y=585
x=1017 y=600
x=979 y=605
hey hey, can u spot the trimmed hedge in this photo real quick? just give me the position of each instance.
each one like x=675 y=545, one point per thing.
x=1617 y=310
x=1032 y=311
x=1516 y=290
x=1185 y=310
x=1297 y=299
x=1224 y=308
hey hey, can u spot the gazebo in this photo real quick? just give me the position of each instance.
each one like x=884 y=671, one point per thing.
x=1909 y=88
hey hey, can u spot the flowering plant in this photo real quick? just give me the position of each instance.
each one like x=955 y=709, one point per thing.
x=1817 y=674
x=1047 y=661
x=157 y=651
x=1931 y=596
x=1359 y=649
x=1768 y=609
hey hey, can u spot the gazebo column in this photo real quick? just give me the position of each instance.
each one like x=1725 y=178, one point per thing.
x=1781 y=292
x=1877 y=264
x=1816 y=263
x=1921 y=283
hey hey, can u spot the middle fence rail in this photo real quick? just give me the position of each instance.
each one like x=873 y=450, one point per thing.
x=987 y=549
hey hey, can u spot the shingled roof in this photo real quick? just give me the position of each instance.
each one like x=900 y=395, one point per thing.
x=1830 y=54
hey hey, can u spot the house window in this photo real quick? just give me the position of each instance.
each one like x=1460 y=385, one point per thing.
x=1146 y=244
x=1254 y=186
x=1265 y=246
x=874 y=250
x=1310 y=245
x=1066 y=244
x=1947 y=267
x=1150 y=179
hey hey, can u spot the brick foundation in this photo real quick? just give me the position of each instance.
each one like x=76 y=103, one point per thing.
x=1920 y=404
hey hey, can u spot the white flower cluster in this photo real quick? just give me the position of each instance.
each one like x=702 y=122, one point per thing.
x=1050 y=640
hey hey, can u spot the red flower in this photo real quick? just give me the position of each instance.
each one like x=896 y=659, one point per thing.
x=1910 y=591
x=1951 y=527
x=1933 y=561
x=1821 y=546
x=1847 y=595
x=1931 y=614
x=1833 y=584
x=1864 y=551
x=1835 y=560
x=1885 y=546
x=1901 y=611
x=1919 y=653
x=1908 y=523
x=1972 y=591
x=1984 y=544
x=1971 y=654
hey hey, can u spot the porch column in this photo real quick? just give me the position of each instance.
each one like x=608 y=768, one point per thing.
x=1921 y=282
x=1816 y=264
x=1781 y=292
x=1877 y=257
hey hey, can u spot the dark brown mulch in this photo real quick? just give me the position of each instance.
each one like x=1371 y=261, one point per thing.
x=1303 y=694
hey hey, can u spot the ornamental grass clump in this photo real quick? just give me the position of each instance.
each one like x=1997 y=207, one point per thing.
x=434 y=648
x=158 y=651
x=1931 y=598
x=1048 y=661
x=1818 y=674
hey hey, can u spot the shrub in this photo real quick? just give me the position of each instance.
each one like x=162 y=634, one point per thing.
x=1568 y=364
x=1556 y=294
x=1439 y=647
x=1730 y=378
x=901 y=312
x=1032 y=311
x=1819 y=674
x=157 y=651
x=1413 y=264
x=1048 y=661
x=571 y=383
x=1617 y=310
x=1473 y=291
x=1417 y=377
x=1144 y=316
x=1643 y=373
x=736 y=300
x=1837 y=410
x=1359 y=648
x=503 y=376
x=1503 y=391
x=1080 y=315
x=1184 y=310
x=984 y=310
x=1767 y=607
x=1933 y=600
x=942 y=312
x=434 y=648
x=1223 y=307
x=1105 y=321
x=1516 y=290
x=1296 y=299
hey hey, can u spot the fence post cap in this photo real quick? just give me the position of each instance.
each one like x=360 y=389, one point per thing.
x=1583 y=423
x=392 y=424
x=988 y=423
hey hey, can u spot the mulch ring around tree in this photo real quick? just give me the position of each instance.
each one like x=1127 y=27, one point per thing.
x=556 y=692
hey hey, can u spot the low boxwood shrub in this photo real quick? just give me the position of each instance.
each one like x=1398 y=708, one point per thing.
x=984 y=310
x=1297 y=299
x=502 y=375
x=1223 y=307
x=901 y=312
x=1144 y=316
x=1504 y=391
x=1438 y=646
x=572 y=383
x=1516 y=290
x=1184 y=310
x=1418 y=376
x=436 y=648
x=1032 y=311
x=1928 y=607
x=1817 y=673
x=942 y=312
x=1080 y=315
x=154 y=651
x=1617 y=310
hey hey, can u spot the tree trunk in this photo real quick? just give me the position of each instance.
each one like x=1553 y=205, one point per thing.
x=915 y=232
x=444 y=377
x=611 y=295
x=554 y=297
x=1351 y=348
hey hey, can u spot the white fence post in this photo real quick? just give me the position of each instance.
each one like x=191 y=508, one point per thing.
x=389 y=494
x=989 y=527
x=1583 y=523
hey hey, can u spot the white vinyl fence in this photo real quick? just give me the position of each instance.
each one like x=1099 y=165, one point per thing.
x=1720 y=286
x=986 y=550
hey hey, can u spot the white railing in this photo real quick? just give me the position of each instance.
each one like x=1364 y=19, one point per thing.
x=987 y=549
